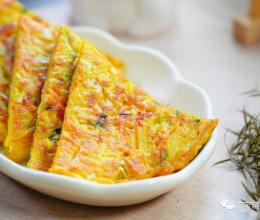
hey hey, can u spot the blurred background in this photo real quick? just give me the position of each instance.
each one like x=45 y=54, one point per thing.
x=214 y=44
x=139 y=18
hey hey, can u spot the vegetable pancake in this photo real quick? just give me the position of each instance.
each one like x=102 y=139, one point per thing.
x=54 y=100
x=8 y=21
x=34 y=45
x=10 y=12
x=11 y=4
x=11 y=9
x=114 y=132
x=55 y=97
x=118 y=64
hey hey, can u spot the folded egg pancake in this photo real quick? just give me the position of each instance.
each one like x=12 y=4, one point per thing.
x=10 y=12
x=115 y=132
x=8 y=21
x=117 y=63
x=11 y=4
x=34 y=45
x=54 y=100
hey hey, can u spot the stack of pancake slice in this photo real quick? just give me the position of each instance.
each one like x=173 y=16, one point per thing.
x=68 y=108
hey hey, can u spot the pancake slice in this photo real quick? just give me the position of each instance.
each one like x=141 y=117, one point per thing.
x=8 y=22
x=11 y=4
x=54 y=100
x=34 y=45
x=117 y=63
x=115 y=132
x=10 y=11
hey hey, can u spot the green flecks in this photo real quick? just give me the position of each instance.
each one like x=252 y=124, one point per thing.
x=37 y=124
x=58 y=130
x=49 y=108
x=56 y=136
x=164 y=157
x=36 y=127
x=196 y=121
x=98 y=124
x=51 y=138
x=164 y=154
x=68 y=76
x=177 y=113
x=165 y=121
x=3 y=50
x=122 y=174
x=29 y=158
x=101 y=121
x=156 y=103
x=162 y=122
x=24 y=10
x=34 y=98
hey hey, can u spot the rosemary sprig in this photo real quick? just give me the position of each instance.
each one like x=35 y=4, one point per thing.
x=245 y=153
x=253 y=92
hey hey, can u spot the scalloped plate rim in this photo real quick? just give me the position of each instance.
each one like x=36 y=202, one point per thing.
x=63 y=183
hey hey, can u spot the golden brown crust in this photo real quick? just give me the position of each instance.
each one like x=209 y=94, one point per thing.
x=8 y=22
x=34 y=46
x=115 y=132
x=55 y=97
x=10 y=11
x=117 y=63
x=54 y=100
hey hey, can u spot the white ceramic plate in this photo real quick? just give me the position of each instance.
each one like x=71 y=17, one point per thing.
x=157 y=75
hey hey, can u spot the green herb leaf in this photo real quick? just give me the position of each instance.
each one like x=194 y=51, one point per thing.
x=68 y=76
x=196 y=121
x=249 y=204
x=253 y=93
x=234 y=160
x=222 y=161
x=58 y=130
x=164 y=157
x=98 y=124
x=251 y=194
x=245 y=152
x=101 y=121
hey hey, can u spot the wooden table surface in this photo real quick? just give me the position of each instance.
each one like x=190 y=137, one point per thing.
x=202 y=47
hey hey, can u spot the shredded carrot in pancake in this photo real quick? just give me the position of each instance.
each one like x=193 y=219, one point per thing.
x=114 y=132
x=54 y=100
x=10 y=11
x=34 y=46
